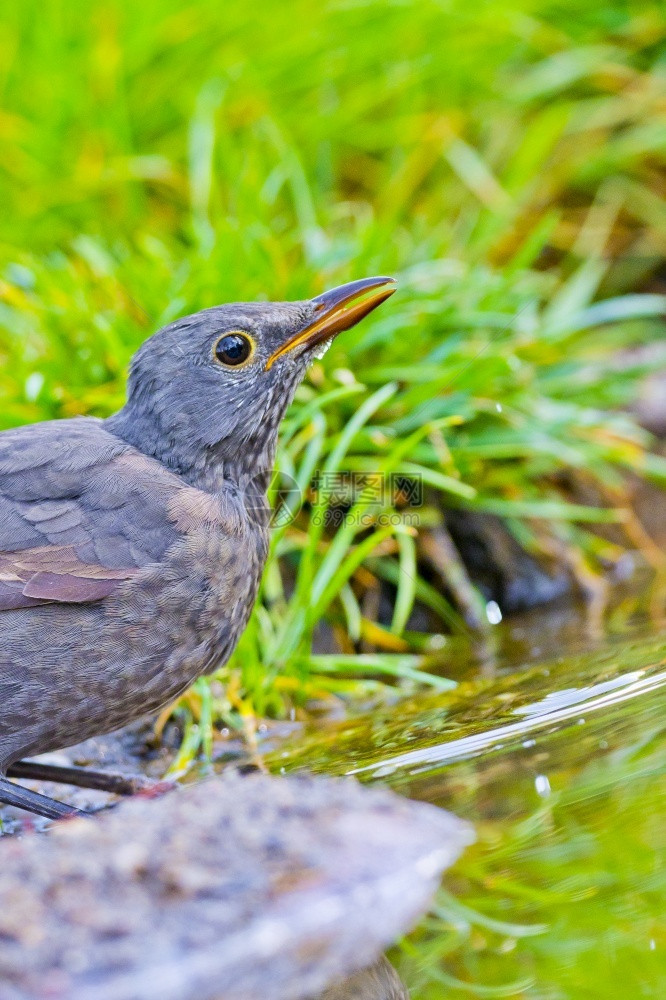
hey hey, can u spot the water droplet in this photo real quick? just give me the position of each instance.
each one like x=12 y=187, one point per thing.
x=33 y=386
x=493 y=612
x=542 y=785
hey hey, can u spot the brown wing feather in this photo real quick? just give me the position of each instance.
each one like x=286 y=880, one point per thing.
x=81 y=511
x=54 y=573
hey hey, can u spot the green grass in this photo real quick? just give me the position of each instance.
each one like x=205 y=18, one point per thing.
x=504 y=160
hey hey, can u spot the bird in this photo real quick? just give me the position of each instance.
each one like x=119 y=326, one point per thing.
x=131 y=547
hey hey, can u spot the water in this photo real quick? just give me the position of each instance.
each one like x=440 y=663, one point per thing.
x=554 y=746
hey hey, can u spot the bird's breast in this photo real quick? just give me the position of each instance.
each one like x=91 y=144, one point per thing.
x=183 y=617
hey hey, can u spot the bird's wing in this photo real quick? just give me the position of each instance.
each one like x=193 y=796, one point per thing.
x=81 y=511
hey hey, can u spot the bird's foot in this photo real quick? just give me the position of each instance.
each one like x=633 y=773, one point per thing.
x=42 y=805
x=81 y=777
x=155 y=789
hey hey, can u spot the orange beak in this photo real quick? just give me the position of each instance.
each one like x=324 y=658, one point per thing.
x=338 y=310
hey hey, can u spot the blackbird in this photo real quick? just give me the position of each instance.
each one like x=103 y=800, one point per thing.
x=131 y=548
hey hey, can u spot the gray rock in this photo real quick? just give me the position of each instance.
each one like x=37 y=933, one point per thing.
x=232 y=889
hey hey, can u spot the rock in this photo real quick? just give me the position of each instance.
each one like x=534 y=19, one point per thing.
x=500 y=568
x=232 y=889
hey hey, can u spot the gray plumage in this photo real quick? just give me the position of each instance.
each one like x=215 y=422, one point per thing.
x=131 y=548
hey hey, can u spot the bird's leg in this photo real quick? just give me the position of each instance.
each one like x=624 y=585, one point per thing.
x=119 y=784
x=42 y=805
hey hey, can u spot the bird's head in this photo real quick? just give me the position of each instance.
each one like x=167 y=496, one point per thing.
x=207 y=393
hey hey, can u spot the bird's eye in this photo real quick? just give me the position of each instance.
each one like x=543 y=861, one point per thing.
x=234 y=349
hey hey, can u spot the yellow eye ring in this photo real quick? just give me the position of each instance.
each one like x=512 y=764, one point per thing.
x=234 y=349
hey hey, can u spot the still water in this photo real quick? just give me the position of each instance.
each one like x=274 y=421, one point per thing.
x=554 y=746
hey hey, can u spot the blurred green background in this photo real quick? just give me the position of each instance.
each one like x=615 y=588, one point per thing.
x=504 y=160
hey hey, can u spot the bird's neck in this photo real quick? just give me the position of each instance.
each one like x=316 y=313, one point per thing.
x=216 y=469
x=209 y=467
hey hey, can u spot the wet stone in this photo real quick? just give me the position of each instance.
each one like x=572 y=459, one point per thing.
x=232 y=889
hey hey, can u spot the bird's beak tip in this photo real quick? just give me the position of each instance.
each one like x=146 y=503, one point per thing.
x=353 y=290
x=337 y=310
